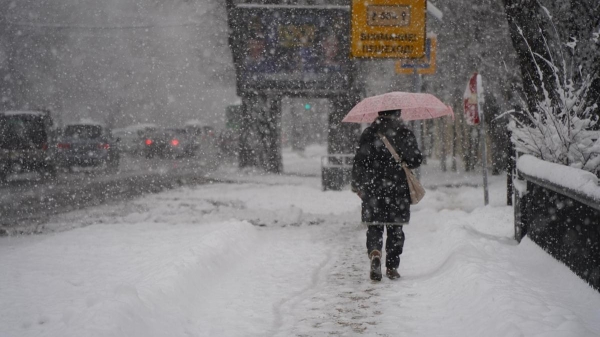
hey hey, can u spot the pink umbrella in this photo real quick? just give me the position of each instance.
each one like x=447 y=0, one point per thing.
x=414 y=107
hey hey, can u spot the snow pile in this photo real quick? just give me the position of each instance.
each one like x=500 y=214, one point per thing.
x=112 y=279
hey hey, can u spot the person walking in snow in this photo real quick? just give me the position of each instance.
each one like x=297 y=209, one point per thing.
x=381 y=183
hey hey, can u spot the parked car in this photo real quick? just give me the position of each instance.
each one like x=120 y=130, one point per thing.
x=88 y=144
x=181 y=143
x=128 y=143
x=154 y=144
x=24 y=143
x=194 y=131
x=170 y=142
x=133 y=137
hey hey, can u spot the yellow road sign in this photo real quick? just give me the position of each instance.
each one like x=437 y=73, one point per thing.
x=388 y=28
x=425 y=65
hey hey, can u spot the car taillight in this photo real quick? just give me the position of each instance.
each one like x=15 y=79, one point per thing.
x=104 y=146
x=149 y=142
x=45 y=146
x=174 y=142
x=63 y=145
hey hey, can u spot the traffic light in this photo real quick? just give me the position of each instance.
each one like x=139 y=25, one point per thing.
x=307 y=106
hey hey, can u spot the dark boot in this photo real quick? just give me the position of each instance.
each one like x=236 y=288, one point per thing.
x=392 y=273
x=375 y=257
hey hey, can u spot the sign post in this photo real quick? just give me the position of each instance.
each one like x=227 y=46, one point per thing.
x=388 y=28
x=418 y=125
x=473 y=105
x=480 y=100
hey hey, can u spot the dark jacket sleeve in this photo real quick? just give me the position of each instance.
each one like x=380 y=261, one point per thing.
x=362 y=163
x=410 y=149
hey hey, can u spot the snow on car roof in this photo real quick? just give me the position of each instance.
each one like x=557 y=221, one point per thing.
x=140 y=126
x=122 y=131
x=16 y=113
x=85 y=121
x=194 y=122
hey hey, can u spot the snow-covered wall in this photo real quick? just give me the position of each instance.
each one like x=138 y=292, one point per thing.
x=561 y=213
x=584 y=182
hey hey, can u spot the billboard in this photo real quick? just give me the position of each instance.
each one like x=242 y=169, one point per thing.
x=295 y=51
x=388 y=28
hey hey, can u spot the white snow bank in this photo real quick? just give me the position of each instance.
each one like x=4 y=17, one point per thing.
x=183 y=262
x=470 y=278
x=114 y=280
x=561 y=175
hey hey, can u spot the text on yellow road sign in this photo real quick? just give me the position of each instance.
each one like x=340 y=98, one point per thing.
x=388 y=28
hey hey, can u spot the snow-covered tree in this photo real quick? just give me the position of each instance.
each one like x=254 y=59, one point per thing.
x=559 y=120
x=561 y=131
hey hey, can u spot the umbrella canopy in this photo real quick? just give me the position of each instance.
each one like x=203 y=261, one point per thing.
x=414 y=107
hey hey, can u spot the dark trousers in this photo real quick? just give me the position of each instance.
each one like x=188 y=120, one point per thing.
x=393 y=244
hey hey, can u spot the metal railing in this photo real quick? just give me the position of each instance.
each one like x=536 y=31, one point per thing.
x=572 y=194
x=562 y=221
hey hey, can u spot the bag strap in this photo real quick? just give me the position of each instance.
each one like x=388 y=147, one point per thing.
x=390 y=148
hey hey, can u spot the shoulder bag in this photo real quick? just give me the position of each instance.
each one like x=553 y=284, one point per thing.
x=417 y=192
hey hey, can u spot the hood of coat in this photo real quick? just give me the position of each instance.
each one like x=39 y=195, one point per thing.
x=387 y=125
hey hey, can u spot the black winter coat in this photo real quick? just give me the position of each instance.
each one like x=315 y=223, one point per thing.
x=379 y=178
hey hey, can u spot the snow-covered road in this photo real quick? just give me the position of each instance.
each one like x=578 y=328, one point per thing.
x=26 y=200
x=276 y=256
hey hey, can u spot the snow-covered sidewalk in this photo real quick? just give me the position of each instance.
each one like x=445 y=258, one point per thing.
x=276 y=256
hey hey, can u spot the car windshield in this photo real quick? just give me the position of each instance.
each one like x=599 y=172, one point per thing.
x=20 y=132
x=83 y=131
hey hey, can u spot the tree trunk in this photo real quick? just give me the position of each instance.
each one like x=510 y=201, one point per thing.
x=528 y=33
